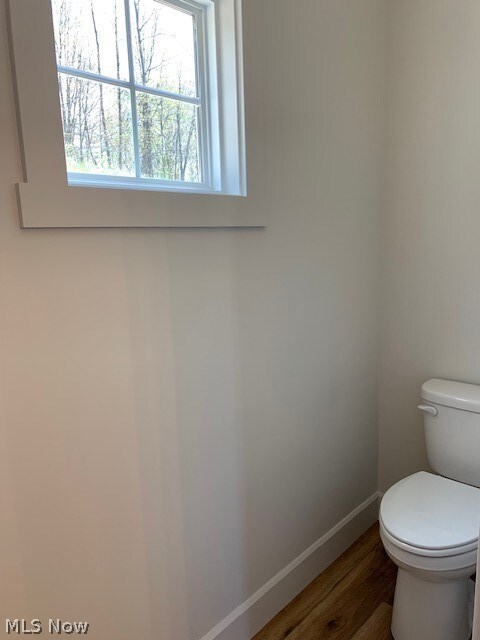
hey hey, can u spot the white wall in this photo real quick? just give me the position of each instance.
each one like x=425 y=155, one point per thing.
x=431 y=235
x=184 y=412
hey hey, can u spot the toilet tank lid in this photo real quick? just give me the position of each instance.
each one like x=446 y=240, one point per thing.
x=459 y=395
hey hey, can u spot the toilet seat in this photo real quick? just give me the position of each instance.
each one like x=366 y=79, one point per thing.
x=435 y=560
x=431 y=516
x=431 y=567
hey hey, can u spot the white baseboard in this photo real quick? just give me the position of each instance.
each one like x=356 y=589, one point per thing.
x=249 y=617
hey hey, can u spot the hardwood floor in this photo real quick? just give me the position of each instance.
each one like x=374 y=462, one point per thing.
x=351 y=600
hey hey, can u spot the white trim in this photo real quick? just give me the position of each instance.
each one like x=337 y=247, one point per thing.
x=230 y=78
x=241 y=150
x=242 y=609
x=205 y=126
x=129 y=182
x=124 y=84
x=45 y=198
x=133 y=97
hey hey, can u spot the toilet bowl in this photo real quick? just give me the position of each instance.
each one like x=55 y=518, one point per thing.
x=429 y=523
x=429 y=526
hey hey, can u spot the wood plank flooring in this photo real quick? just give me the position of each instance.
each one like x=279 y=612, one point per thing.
x=351 y=600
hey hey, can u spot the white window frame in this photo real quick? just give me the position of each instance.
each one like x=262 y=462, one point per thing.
x=48 y=199
x=208 y=121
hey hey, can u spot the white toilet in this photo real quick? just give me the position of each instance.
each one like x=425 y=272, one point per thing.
x=430 y=523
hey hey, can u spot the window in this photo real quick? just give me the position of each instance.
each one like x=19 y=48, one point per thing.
x=135 y=93
x=113 y=135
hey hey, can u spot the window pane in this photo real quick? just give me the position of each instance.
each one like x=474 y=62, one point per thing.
x=90 y=35
x=168 y=138
x=163 y=47
x=97 y=127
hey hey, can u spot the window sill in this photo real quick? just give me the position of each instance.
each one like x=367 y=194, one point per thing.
x=158 y=186
x=45 y=205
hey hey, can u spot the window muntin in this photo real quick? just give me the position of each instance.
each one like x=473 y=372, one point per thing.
x=133 y=88
x=169 y=61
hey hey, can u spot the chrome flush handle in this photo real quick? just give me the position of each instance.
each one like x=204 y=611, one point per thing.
x=428 y=409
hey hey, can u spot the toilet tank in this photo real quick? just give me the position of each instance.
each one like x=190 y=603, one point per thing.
x=451 y=417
